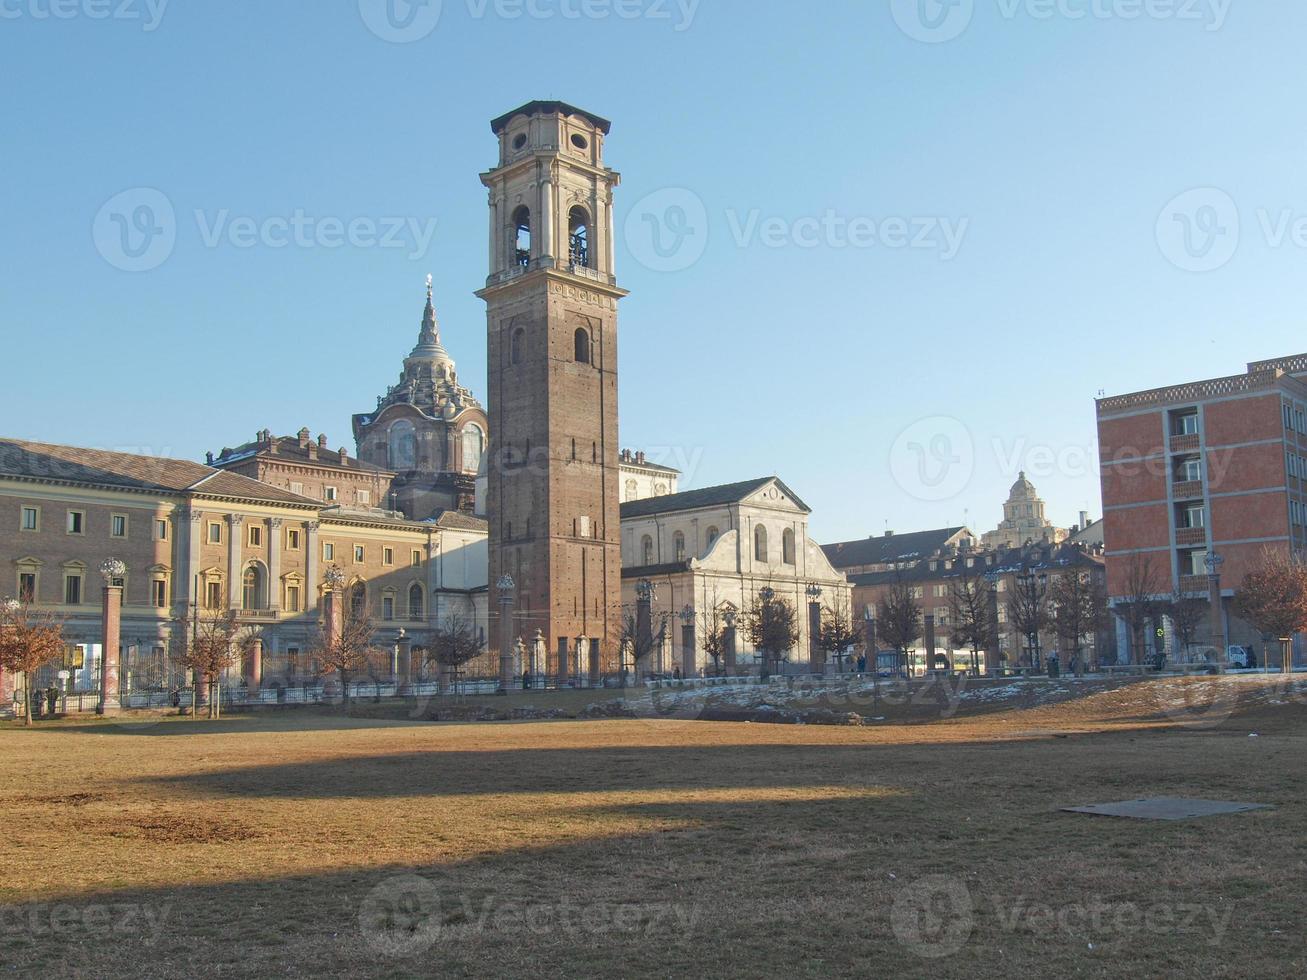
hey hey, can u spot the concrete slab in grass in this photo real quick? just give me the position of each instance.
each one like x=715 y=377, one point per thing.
x=1166 y=808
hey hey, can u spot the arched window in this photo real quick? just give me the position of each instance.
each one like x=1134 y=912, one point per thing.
x=515 y=346
x=787 y=546
x=713 y=535
x=578 y=237
x=252 y=589
x=522 y=236
x=646 y=550
x=415 y=601
x=759 y=543
x=358 y=601
x=678 y=545
x=582 y=343
x=474 y=444
x=403 y=446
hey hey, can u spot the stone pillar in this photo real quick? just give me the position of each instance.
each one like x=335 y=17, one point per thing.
x=608 y=234
x=687 y=649
x=644 y=628
x=254 y=664
x=816 y=655
x=505 y=587
x=869 y=626
x=404 y=663
x=110 y=626
x=274 y=563
x=312 y=554
x=561 y=656
x=730 y=651
x=235 y=526
x=930 y=643
x=186 y=582
x=539 y=651
x=494 y=233
x=546 y=246
x=332 y=620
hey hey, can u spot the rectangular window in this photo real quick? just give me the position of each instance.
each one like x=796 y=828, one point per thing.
x=1184 y=424
x=118 y=526
x=27 y=587
x=213 y=595
x=215 y=534
x=387 y=556
x=293 y=598
x=416 y=559
x=256 y=536
x=388 y=607
x=358 y=554
x=297 y=488
x=1195 y=517
x=76 y=521
x=73 y=590
x=293 y=540
x=161 y=530
x=328 y=551
x=31 y=519
x=1189 y=471
x=329 y=494
x=160 y=593
x=365 y=497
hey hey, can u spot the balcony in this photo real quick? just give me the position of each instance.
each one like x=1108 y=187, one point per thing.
x=257 y=615
x=1187 y=490
x=1184 y=444
x=1194 y=584
x=1188 y=536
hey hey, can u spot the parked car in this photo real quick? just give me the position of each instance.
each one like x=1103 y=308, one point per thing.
x=1240 y=658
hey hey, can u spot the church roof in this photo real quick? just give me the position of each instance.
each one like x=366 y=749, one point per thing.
x=52 y=463
x=549 y=108
x=889 y=548
x=1023 y=489
x=292 y=449
x=727 y=493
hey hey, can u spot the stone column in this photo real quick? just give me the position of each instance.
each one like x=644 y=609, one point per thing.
x=730 y=651
x=580 y=652
x=403 y=662
x=235 y=525
x=644 y=624
x=187 y=585
x=505 y=587
x=274 y=563
x=611 y=246
x=546 y=247
x=494 y=233
x=110 y=626
x=562 y=660
x=254 y=664
x=312 y=554
x=687 y=649
x=816 y=655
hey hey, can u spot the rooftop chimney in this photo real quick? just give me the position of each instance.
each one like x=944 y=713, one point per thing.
x=322 y=440
x=304 y=437
x=344 y=456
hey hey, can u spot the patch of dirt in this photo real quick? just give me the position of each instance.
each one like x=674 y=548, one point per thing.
x=179 y=828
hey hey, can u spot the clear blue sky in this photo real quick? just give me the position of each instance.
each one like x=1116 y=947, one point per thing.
x=1054 y=142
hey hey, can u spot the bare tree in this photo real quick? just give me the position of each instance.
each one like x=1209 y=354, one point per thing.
x=1079 y=607
x=898 y=619
x=714 y=632
x=972 y=615
x=771 y=626
x=1141 y=602
x=28 y=641
x=1273 y=598
x=838 y=632
x=454 y=643
x=1029 y=612
x=1186 y=612
x=352 y=650
x=640 y=644
x=208 y=643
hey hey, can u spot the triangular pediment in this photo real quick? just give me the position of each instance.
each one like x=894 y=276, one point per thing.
x=775 y=494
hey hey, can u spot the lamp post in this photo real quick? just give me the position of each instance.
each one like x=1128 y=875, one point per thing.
x=687 y=641
x=505 y=587
x=816 y=655
x=1220 y=628
x=113 y=571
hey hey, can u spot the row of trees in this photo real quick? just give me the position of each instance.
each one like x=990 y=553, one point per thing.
x=1073 y=607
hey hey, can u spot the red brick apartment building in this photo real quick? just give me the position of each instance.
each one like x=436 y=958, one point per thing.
x=1216 y=466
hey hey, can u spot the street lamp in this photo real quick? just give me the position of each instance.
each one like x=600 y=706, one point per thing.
x=815 y=656
x=644 y=590
x=1220 y=627
x=505 y=586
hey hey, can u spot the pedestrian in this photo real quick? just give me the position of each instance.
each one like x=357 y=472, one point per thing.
x=526 y=679
x=52 y=700
x=676 y=673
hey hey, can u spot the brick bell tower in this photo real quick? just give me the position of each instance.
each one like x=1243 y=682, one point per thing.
x=551 y=309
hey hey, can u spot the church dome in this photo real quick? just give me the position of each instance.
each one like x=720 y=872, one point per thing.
x=429 y=358
x=1023 y=489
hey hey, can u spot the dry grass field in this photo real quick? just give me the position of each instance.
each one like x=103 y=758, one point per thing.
x=321 y=845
